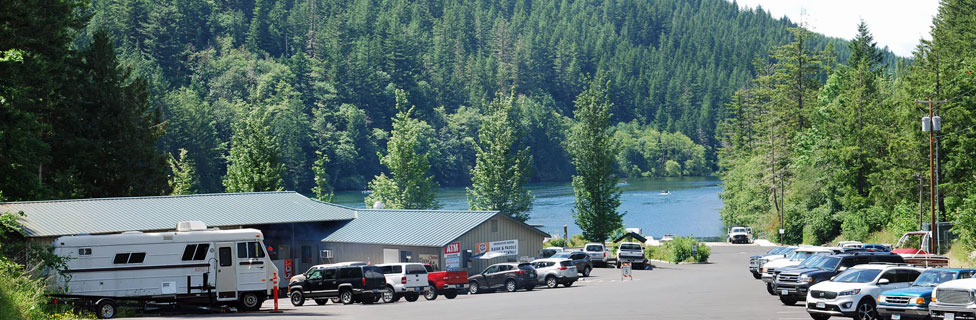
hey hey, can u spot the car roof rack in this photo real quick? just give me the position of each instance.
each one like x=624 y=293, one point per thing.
x=898 y=264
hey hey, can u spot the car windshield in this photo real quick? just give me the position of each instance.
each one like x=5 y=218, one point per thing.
x=827 y=263
x=594 y=248
x=787 y=251
x=776 y=250
x=857 y=275
x=800 y=256
x=933 y=278
x=811 y=261
x=562 y=255
x=630 y=246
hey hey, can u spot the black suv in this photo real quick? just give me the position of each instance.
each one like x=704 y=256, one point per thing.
x=580 y=259
x=347 y=283
x=792 y=285
x=510 y=276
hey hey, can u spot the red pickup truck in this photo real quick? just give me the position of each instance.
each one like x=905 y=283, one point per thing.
x=448 y=283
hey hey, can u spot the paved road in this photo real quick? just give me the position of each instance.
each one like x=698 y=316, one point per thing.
x=723 y=289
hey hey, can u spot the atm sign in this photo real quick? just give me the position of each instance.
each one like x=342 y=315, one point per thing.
x=452 y=248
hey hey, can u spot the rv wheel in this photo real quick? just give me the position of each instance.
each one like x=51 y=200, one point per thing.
x=106 y=309
x=298 y=298
x=250 y=302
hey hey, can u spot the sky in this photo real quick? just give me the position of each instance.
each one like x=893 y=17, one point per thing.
x=897 y=24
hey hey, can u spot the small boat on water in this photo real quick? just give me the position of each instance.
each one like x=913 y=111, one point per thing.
x=665 y=193
x=667 y=237
x=623 y=184
x=918 y=256
x=368 y=191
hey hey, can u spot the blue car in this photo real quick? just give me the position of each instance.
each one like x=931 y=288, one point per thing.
x=913 y=302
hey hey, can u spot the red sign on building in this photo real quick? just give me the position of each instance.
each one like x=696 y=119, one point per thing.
x=452 y=248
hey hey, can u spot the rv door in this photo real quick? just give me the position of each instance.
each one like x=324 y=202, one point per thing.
x=251 y=267
x=226 y=272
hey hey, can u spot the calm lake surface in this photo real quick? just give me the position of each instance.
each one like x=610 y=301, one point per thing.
x=692 y=208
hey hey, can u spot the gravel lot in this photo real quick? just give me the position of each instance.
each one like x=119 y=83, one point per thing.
x=723 y=289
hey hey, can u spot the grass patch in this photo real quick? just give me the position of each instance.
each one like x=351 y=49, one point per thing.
x=959 y=255
x=679 y=250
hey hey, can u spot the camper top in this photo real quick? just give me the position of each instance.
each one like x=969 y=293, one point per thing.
x=131 y=237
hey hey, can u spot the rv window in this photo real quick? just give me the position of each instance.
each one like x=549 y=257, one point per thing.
x=188 y=252
x=84 y=251
x=121 y=258
x=137 y=257
x=201 y=252
x=242 y=250
x=225 y=256
x=254 y=250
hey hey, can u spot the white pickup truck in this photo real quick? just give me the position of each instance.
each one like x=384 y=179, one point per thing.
x=631 y=252
x=406 y=280
x=740 y=235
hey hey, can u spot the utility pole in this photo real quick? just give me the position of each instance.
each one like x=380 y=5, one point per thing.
x=931 y=124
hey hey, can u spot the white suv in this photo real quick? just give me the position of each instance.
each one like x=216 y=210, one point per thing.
x=853 y=293
x=598 y=253
x=406 y=280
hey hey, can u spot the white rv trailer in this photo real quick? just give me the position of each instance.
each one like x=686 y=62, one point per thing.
x=192 y=265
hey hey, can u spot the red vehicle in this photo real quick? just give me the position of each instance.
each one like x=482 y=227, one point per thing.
x=447 y=283
x=918 y=256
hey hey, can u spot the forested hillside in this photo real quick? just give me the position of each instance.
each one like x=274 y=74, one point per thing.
x=320 y=75
x=844 y=155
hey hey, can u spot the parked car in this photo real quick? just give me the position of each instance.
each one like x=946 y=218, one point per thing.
x=739 y=235
x=598 y=253
x=580 y=259
x=548 y=252
x=850 y=244
x=876 y=247
x=793 y=285
x=508 y=276
x=349 y=284
x=755 y=267
x=631 y=252
x=913 y=302
x=404 y=280
x=954 y=300
x=553 y=272
x=447 y=283
x=854 y=292
x=795 y=258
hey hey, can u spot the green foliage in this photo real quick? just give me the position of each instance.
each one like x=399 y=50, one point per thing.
x=679 y=250
x=183 y=178
x=556 y=242
x=645 y=152
x=254 y=163
x=502 y=166
x=593 y=150
x=322 y=189
x=408 y=186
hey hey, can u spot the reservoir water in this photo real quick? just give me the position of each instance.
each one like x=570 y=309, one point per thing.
x=691 y=208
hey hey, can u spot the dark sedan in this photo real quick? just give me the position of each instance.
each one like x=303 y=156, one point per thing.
x=580 y=259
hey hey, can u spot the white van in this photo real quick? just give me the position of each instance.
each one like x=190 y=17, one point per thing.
x=192 y=265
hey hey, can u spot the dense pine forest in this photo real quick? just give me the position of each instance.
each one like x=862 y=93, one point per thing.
x=101 y=95
x=828 y=148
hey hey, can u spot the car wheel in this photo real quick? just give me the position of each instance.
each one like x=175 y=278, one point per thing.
x=321 y=302
x=388 y=295
x=473 y=287
x=345 y=296
x=529 y=287
x=250 y=301
x=377 y=298
x=568 y=284
x=106 y=309
x=866 y=310
x=297 y=298
x=769 y=288
x=510 y=285
x=450 y=294
x=431 y=293
x=411 y=297
x=787 y=300
x=820 y=316
x=551 y=282
x=586 y=271
x=756 y=275
x=335 y=300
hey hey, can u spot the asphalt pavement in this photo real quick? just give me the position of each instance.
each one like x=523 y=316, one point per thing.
x=722 y=289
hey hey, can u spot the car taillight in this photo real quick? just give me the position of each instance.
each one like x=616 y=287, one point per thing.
x=604 y=254
x=403 y=280
x=562 y=268
x=364 y=281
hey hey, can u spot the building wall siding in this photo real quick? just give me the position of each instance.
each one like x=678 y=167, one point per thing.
x=530 y=242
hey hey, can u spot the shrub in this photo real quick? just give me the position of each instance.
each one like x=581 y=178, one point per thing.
x=679 y=250
x=556 y=242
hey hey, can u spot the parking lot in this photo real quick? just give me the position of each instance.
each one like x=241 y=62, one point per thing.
x=723 y=289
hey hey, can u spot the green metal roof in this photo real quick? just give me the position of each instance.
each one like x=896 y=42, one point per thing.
x=110 y=215
x=419 y=228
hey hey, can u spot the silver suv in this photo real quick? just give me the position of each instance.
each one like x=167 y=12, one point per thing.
x=555 y=271
x=597 y=252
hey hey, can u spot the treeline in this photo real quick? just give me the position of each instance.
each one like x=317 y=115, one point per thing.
x=325 y=72
x=830 y=149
